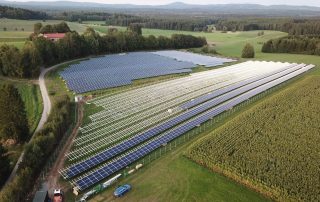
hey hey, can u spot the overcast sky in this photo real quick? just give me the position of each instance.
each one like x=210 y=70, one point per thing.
x=158 y=2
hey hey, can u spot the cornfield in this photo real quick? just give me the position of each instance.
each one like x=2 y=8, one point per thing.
x=275 y=144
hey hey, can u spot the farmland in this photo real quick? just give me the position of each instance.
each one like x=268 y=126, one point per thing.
x=230 y=43
x=24 y=27
x=17 y=31
x=282 y=158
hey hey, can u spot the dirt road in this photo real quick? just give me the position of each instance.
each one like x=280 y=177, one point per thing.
x=54 y=175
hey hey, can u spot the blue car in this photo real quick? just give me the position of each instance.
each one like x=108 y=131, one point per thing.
x=120 y=191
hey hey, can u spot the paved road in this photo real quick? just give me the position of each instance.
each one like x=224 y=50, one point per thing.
x=45 y=112
x=45 y=99
x=44 y=116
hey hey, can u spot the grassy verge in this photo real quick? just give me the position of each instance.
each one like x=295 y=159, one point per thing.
x=31 y=96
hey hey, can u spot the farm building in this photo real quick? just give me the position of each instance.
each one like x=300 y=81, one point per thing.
x=54 y=36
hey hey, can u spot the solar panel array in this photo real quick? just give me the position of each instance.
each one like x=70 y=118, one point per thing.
x=204 y=60
x=137 y=122
x=121 y=69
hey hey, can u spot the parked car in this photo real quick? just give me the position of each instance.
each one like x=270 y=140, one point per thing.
x=120 y=191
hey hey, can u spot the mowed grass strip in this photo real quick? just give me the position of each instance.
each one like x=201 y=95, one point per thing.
x=273 y=147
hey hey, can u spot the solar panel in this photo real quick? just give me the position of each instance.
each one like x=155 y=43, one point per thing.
x=118 y=69
x=204 y=60
x=127 y=144
x=216 y=93
x=121 y=69
x=133 y=156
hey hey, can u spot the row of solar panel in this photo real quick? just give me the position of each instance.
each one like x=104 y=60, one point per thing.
x=128 y=159
x=121 y=69
x=111 y=152
x=91 y=83
x=221 y=91
x=103 y=134
x=203 y=60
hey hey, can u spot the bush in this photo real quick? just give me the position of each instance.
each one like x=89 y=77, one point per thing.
x=207 y=49
x=248 y=51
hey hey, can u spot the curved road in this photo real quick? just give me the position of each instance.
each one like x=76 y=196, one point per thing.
x=45 y=113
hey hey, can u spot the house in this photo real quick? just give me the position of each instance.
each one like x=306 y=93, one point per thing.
x=54 y=36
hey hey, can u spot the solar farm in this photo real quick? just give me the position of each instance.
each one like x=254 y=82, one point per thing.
x=121 y=69
x=135 y=123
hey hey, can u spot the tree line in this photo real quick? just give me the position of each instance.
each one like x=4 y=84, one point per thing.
x=56 y=28
x=292 y=26
x=37 y=152
x=13 y=124
x=40 y=51
x=171 y=22
x=299 y=26
x=162 y=22
x=293 y=44
x=22 y=14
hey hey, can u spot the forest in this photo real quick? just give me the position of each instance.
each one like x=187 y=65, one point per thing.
x=20 y=13
x=309 y=45
x=261 y=148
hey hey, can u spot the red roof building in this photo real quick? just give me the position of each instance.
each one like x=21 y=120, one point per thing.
x=54 y=36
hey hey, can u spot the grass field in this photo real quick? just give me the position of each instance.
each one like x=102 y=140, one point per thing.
x=27 y=25
x=175 y=178
x=19 y=30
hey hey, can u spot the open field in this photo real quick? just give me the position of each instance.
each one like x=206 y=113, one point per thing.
x=283 y=156
x=27 y=26
x=225 y=40
x=225 y=43
x=19 y=30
